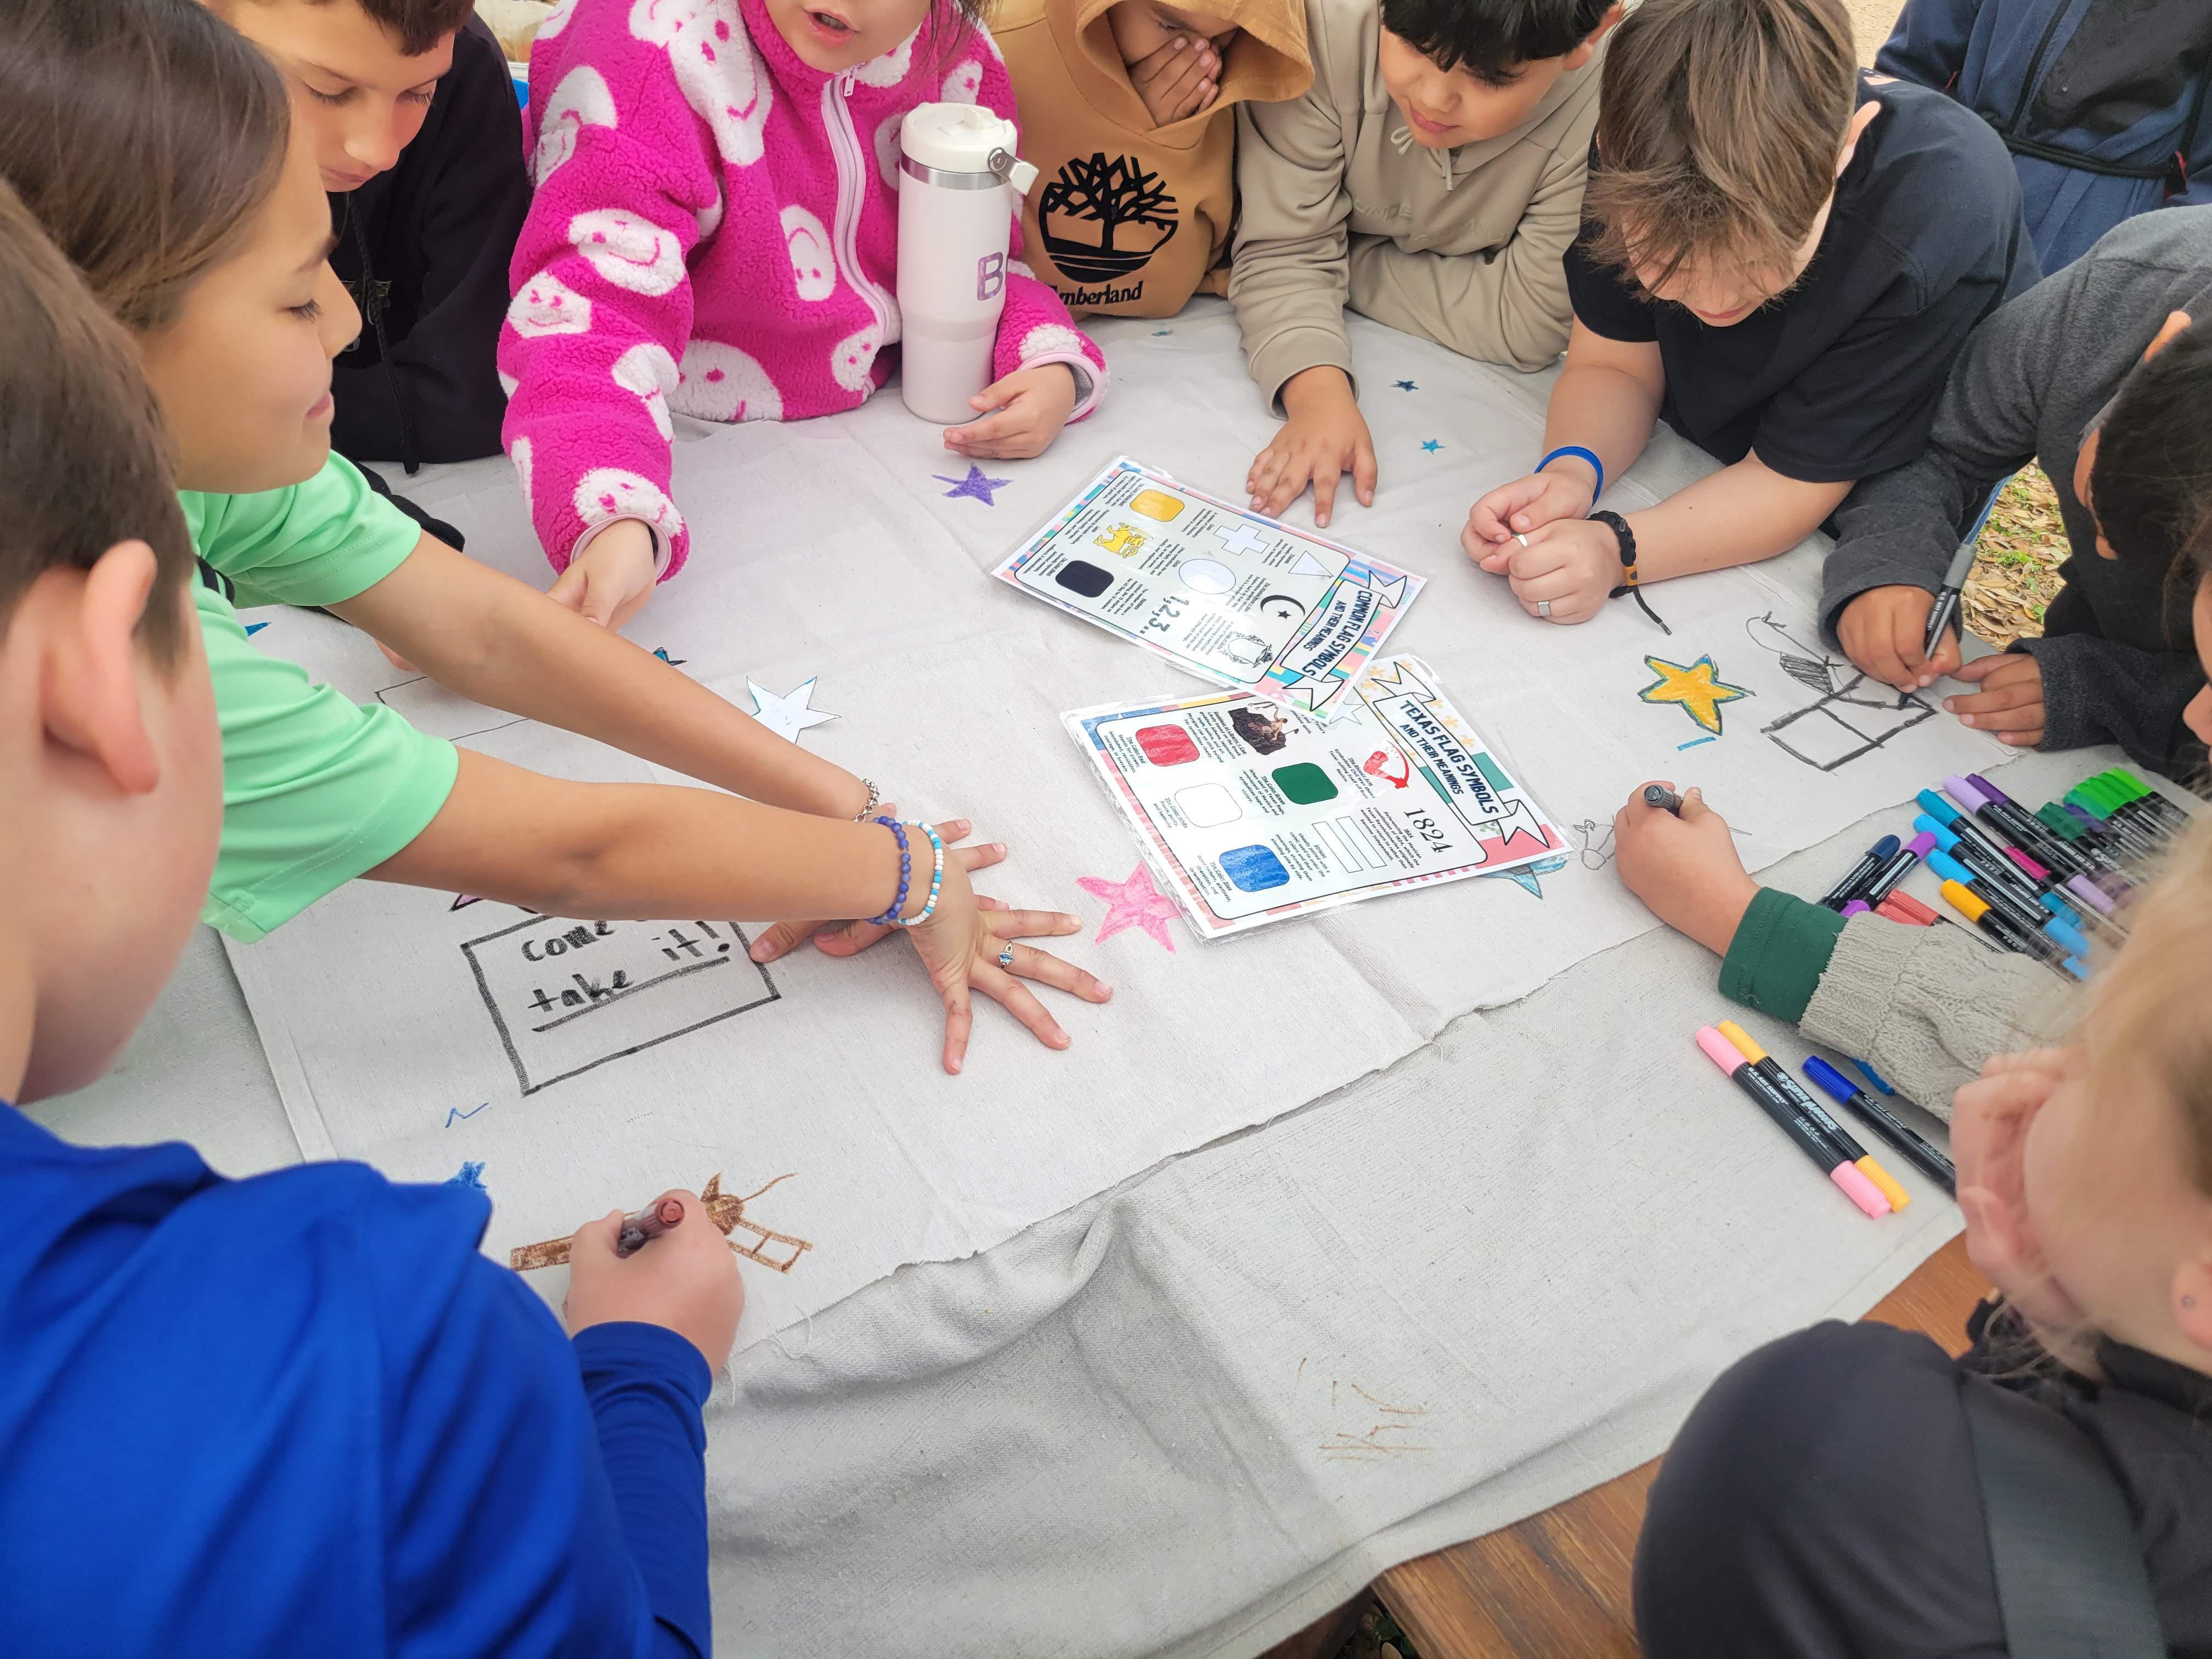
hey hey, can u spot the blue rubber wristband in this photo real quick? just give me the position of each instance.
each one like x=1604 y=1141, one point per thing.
x=1580 y=454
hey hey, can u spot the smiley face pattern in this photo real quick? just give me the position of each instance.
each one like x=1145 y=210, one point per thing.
x=702 y=243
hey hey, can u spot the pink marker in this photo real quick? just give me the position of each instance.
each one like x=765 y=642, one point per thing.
x=1808 y=1135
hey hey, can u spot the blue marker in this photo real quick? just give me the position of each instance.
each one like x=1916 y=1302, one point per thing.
x=1862 y=872
x=1885 y=1123
x=1874 y=1077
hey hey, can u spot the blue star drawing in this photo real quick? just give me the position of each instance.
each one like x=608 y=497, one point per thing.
x=1404 y=386
x=1526 y=874
x=1429 y=446
x=1158 y=331
x=661 y=652
x=452 y=1112
x=469 y=1174
x=252 y=628
x=975 y=486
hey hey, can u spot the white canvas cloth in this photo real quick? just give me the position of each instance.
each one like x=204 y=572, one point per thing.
x=833 y=549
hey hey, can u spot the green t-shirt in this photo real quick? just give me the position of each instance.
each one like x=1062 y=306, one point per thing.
x=316 y=790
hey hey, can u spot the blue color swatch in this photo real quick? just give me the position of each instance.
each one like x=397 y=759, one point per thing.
x=1254 y=869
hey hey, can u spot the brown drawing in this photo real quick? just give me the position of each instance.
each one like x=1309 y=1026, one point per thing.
x=725 y=1210
x=1342 y=1447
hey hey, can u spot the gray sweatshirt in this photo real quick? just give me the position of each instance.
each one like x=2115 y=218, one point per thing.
x=2116 y=658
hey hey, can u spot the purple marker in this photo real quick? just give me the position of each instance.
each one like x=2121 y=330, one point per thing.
x=2064 y=868
x=1897 y=869
x=1857 y=907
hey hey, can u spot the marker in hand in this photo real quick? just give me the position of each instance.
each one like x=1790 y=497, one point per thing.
x=648 y=1224
x=1659 y=795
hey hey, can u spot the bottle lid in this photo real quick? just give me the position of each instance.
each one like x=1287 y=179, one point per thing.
x=962 y=138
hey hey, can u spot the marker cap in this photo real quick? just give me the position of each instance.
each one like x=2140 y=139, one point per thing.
x=1912 y=908
x=1964 y=901
x=1965 y=793
x=2077 y=967
x=2035 y=871
x=1936 y=807
x=1742 y=1040
x=1860 y=1191
x=2075 y=944
x=1897 y=914
x=1831 y=1081
x=1884 y=1182
x=1948 y=869
x=1921 y=844
x=1857 y=907
x=1719 y=1050
x=2090 y=894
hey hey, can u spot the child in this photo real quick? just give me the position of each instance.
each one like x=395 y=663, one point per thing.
x=1781 y=258
x=2101 y=106
x=217 y=264
x=1826 y=1498
x=715 y=234
x=315 y=1418
x=1130 y=113
x=420 y=145
x=1431 y=180
x=2114 y=664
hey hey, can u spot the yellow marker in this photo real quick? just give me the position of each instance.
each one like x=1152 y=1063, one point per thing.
x=1967 y=902
x=1766 y=1066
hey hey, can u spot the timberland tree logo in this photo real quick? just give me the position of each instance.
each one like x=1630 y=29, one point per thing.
x=1104 y=219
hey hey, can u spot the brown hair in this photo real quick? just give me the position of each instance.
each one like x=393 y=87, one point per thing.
x=144 y=134
x=84 y=462
x=1718 y=127
x=2151 y=483
x=416 y=24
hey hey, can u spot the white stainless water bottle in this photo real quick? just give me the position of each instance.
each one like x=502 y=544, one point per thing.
x=956 y=167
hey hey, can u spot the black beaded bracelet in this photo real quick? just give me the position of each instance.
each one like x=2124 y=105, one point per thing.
x=1625 y=539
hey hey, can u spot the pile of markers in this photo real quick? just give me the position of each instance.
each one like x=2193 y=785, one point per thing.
x=2040 y=884
x=1817 y=1133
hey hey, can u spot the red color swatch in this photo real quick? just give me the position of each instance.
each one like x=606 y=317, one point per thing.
x=1166 y=745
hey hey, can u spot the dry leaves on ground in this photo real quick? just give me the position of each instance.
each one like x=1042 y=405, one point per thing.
x=2016 y=575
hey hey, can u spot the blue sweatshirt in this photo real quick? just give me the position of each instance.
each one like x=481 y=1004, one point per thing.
x=301 y=1414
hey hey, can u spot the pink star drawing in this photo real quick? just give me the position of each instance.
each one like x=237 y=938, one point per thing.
x=1132 y=903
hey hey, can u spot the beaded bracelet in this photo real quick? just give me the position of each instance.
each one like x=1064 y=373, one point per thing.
x=890 y=917
x=875 y=800
x=936 y=879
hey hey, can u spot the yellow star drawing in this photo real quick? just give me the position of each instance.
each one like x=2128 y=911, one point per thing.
x=1694 y=687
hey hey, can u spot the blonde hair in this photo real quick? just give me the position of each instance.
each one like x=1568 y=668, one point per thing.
x=1718 y=127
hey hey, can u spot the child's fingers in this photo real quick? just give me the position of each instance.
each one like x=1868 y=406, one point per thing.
x=977 y=857
x=1047 y=969
x=1324 y=488
x=1007 y=923
x=597 y=1238
x=985 y=436
x=959 y=1020
x=781 y=939
x=1945 y=661
x=2001 y=666
x=1018 y=1000
x=1265 y=470
x=1363 y=472
x=1290 y=484
x=567 y=587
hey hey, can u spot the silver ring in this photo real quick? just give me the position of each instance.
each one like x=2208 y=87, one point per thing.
x=1006 y=958
x=1524 y=540
x=1543 y=607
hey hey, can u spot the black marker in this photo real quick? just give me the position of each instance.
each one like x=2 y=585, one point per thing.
x=1885 y=1123
x=1862 y=872
x=1657 y=794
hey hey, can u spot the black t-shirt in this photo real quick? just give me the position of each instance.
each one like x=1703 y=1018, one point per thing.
x=1821 y=1503
x=1836 y=380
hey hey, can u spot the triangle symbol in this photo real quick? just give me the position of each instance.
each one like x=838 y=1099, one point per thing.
x=462 y=900
x=1309 y=566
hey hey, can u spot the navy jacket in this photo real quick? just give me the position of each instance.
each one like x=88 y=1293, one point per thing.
x=2100 y=101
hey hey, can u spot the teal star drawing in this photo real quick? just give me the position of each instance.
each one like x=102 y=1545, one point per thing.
x=975 y=486
x=1431 y=446
x=1404 y=386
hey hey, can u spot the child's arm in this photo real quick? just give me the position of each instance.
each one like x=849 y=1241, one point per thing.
x=445 y=405
x=1929 y=44
x=1290 y=281
x=639 y=851
x=496 y=640
x=603 y=306
x=1924 y=1007
x=1046 y=372
x=1507 y=305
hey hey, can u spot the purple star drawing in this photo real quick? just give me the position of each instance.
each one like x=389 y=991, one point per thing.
x=1132 y=903
x=975 y=486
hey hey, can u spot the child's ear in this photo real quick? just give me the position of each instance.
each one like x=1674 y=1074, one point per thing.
x=1582 y=53
x=90 y=691
x=1852 y=133
x=2175 y=322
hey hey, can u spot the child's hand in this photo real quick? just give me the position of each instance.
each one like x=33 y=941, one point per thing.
x=2011 y=702
x=1568 y=566
x=845 y=938
x=1564 y=489
x=685 y=1280
x=1990 y=1122
x=1881 y=631
x=962 y=947
x=610 y=582
x=1686 y=870
x=1032 y=404
x=1179 y=79
x=1324 y=437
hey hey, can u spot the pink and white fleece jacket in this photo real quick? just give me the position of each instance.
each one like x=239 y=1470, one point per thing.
x=715 y=232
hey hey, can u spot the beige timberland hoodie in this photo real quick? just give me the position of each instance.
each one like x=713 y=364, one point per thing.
x=1342 y=207
x=1127 y=218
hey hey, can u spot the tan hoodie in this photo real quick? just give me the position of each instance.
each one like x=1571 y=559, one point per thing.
x=1341 y=207
x=1126 y=218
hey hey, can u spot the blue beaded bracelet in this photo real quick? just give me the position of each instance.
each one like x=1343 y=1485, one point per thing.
x=1580 y=454
x=936 y=880
x=890 y=917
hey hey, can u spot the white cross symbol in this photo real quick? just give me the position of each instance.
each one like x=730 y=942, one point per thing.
x=1242 y=538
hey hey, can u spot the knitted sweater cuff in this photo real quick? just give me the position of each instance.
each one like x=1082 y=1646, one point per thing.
x=1780 y=951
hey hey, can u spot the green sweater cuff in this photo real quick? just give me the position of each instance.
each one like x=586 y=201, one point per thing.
x=1780 y=951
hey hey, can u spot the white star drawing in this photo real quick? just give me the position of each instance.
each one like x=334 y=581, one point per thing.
x=787 y=715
